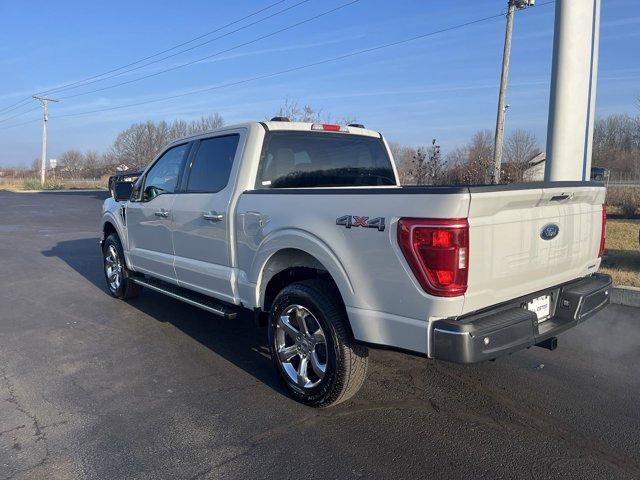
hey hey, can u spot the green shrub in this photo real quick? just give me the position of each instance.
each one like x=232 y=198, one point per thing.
x=31 y=185
x=627 y=199
x=53 y=185
x=48 y=185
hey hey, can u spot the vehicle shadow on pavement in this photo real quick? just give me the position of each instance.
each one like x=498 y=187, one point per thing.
x=238 y=341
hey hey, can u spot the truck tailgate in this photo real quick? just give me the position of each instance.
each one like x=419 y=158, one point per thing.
x=508 y=256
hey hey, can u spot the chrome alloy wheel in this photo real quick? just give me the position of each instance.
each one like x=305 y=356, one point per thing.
x=113 y=268
x=301 y=346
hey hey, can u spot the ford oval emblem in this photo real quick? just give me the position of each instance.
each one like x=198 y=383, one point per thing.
x=549 y=231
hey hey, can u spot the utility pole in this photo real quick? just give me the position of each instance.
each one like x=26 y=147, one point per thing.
x=44 y=101
x=502 y=107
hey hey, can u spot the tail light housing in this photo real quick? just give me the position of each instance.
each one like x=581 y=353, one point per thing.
x=603 y=231
x=437 y=251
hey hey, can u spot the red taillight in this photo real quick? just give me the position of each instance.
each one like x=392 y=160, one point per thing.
x=437 y=251
x=603 y=231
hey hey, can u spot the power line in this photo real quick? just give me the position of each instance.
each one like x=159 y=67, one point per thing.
x=16 y=105
x=61 y=87
x=235 y=47
x=19 y=114
x=64 y=87
x=21 y=124
x=292 y=69
x=84 y=83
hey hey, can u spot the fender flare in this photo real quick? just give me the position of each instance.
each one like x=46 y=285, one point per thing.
x=307 y=244
x=111 y=217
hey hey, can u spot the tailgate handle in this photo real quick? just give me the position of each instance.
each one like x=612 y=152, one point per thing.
x=559 y=198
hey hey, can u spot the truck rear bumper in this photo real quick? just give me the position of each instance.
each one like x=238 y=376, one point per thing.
x=509 y=327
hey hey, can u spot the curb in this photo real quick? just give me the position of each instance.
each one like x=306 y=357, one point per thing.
x=629 y=296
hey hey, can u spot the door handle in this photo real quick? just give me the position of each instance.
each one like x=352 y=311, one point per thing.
x=162 y=213
x=213 y=216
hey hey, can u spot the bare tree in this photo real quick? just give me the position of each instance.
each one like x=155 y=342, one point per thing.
x=292 y=110
x=91 y=165
x=427 y=165
x=141 y=142
x=616 y=144
x=35 y=165
x=205 y=124
x=520 y=147
x=403 y=157
x=436 y=166
x=418 y=169
x=469 y=163
x=137 y=145
x=71 y=163
x=178 y=129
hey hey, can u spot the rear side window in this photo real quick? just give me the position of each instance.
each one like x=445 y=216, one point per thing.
x=307 y=159
x=212 y=164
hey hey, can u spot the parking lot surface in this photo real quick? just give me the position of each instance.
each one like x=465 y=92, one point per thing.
x=94 y=387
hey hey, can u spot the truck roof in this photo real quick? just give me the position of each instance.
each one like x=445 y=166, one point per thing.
x=307 y=127
x=286 y=126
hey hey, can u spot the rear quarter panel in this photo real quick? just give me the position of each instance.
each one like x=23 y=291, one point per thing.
x=371 y=270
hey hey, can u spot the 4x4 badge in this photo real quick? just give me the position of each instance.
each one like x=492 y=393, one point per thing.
x=349 y=221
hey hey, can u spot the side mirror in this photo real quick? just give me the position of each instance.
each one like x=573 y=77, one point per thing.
x=122 y=191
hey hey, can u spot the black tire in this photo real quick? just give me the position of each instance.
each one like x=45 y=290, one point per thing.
x=345 y=361
x=125 y=288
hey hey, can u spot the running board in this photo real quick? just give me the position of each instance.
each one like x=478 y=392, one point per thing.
x=187 y=296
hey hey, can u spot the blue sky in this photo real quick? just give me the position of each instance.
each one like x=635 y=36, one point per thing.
x=444 y=86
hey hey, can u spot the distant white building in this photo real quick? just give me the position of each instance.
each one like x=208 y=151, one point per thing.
x=535 y=169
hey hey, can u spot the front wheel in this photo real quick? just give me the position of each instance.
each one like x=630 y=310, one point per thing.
x=115 y=270
x=311 y=345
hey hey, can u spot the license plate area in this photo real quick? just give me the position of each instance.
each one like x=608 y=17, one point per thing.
x=541 y=306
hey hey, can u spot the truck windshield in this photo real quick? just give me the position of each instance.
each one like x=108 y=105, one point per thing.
x=310 y=159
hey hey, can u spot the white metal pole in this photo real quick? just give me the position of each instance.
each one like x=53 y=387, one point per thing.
x=573 y=90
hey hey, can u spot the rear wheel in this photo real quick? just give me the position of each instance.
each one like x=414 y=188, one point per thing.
x=311 y=345
x=115 y=270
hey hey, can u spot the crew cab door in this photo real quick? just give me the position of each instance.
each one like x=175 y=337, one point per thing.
x=202 y=219
x=149 y=215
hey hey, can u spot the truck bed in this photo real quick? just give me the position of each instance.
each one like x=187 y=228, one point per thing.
x=507 y=256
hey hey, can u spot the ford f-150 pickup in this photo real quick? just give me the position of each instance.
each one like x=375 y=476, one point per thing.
x=307 y=226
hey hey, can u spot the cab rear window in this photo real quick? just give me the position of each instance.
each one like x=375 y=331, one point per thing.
x=309 y=159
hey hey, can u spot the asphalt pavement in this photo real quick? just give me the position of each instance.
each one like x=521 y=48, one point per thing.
x=94 y=387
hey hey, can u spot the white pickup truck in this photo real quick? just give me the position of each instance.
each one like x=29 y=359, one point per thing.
x=307 y=225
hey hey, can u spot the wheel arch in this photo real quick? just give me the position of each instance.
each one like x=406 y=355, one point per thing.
x=108 y=228
x=294 y=255
x=300 y=253
x=287 y=266
x=112 y=223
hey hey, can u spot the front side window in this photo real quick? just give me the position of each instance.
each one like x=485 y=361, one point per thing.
x=163 y=176
x=310 y=159
x=211 y=167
